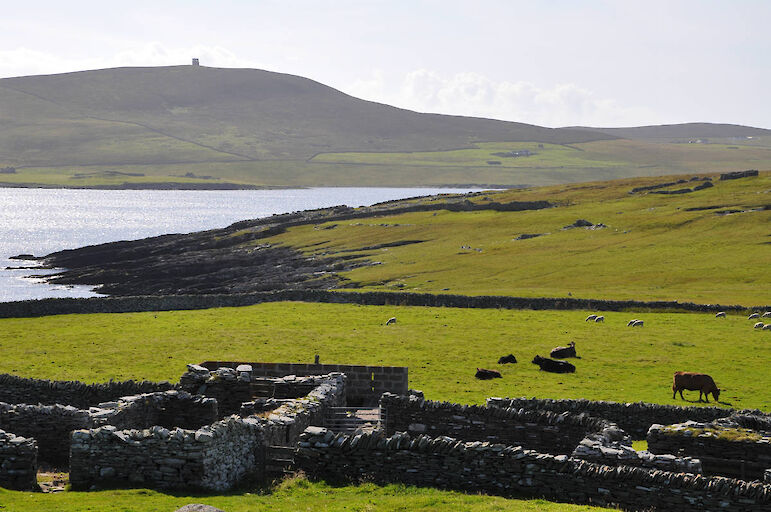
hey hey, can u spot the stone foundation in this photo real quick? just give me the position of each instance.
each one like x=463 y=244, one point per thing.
x=18 y=462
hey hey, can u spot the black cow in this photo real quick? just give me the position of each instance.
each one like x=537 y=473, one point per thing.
x=563 y=352
x=483 y=374
x=507 y=359
x=550 y=365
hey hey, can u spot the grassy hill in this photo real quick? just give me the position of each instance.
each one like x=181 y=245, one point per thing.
x=711 y=245
x=180 y=124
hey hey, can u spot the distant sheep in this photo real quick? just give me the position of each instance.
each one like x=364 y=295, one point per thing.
x=759 y=325
x=599 y=319
x=507 y=359
x=767 y=314
x=638 y=323
x=591 y=317
x=483 y=374
x=563 y=352
x=720 y=315
x=632 y=322
x=767 y=327
x=754 y=315
x=391 y=320
x=550 y=365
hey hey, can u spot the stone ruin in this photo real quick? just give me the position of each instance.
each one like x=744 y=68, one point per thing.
x=221 y=425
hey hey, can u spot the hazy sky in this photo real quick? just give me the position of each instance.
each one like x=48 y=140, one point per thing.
x=550 y=62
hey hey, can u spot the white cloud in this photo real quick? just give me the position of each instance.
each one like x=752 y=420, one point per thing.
x=473 y=94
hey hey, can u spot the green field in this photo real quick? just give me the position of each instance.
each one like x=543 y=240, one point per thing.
x=441 y=346
x=653 y=248
x=294 y=495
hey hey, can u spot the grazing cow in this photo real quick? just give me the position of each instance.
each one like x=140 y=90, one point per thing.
x=720 y=315
x=599 y=319
x=632 y=322
x=563 y=352
x=767 y=327
x=767 y=314
x=692 y=382
x=638 y=323
x=550 y=365
x=591 y=317
x=754 y=315
x=483 y=374
x=391 y=320
x=759 y=325
x=507 y=359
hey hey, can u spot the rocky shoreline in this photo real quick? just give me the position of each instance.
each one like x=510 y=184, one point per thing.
x=232 y=259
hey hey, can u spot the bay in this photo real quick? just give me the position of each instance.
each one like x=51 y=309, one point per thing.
x=42 y=221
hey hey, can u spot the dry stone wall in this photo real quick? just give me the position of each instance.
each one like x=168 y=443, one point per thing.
x=724 y=449
x=635 y=418
x=18 y=462
x=49 y=425
x=545 y=431
x=214 y=458
x=19 y=390
x=64 y=306
x=364 y=384
x=229 y=387
x=489 y=468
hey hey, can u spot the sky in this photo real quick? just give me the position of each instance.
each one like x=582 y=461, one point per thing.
x=550 y=62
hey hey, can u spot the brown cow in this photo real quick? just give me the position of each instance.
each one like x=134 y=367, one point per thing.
x=692 y=382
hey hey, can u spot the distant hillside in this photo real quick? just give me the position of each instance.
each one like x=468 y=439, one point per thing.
x=198 y=127
x=201 y=113
x=686 y=131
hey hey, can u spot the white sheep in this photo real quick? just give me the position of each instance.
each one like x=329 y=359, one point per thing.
x=767 y=327
x=754 y=315
x=590 y=317
x=637 y=323
x=391 y=320
x=632 y=322
x=767 y=314
x=720 y=315
x=600 y=319
x=759 y=325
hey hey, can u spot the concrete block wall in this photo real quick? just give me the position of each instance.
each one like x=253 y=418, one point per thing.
x=18 y=462
x=364 y=384
x=498 y=469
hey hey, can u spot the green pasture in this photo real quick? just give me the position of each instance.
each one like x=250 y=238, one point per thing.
x=293 y=495
x=653 y=248
x=666 y=158
x=441 y=346
x=162 y=158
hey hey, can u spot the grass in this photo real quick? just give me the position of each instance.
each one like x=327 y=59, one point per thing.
x=441 y=346
x=652 y=249
x=296 y=494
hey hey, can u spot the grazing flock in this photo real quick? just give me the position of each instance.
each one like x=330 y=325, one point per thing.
x=681 y=381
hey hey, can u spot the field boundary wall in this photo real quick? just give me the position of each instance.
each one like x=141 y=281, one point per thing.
x=63 y=306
